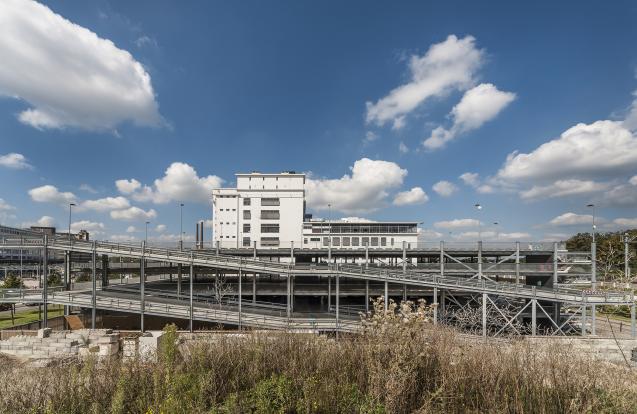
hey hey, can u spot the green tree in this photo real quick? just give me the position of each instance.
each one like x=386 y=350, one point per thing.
x=12 y=281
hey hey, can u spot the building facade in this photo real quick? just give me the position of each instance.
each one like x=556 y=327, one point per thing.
x=268 y=211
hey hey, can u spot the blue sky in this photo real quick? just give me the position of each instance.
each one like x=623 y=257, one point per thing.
x=379 y=101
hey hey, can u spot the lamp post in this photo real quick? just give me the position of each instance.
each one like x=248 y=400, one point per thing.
x=181 y=224
x=497 y=232
x=594 y=225
x=71 y=205
x=478 y=206
x=146 y=238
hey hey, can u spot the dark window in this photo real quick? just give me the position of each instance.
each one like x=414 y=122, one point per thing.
x=246 y=201
x=246 y=242
x=269 y=241
x=269 y=228
x=270 y=215
x=246 y=215
x=270 y=202
x=336 y=241
x=345 y=241
x=355 y=241
x=246 y=228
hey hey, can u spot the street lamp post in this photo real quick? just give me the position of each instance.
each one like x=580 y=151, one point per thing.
x=71 y=205
x=181 y=225
x=593 y=251
x=594 y=225
x=478 y=206
x=146 y=238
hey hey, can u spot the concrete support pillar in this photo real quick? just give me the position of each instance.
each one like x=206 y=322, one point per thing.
x=626 y=267
x=170 y=272
x=443 y=302
x=329 y=293
x=633 y=326
x=404 y=292
x=329 y=249
x=217 y=247
x=480 y=259
x=142 y=286
x=484 y=315
x=404 y=257
x=254 y=249
x=180 y=271
x=67 y=277
x=554 y=264
x=191 y=281
x=240 y=299
x=254 y=288
x=292 y=252
x=584 y=321
x=292 y=295
x=593 y=320
x=594 y=265
x=45 y=280
x=105 y=270
x=366 y=295
x=435 y=305
x=517 y=263
x=338 y=304
x=386 y=295
x=287 y=297
x=533 y=317
x=442 y=258
x=366 y=256
x=93 y=285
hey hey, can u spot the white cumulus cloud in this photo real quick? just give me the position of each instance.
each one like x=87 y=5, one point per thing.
x=50 y=194
x=414 y=196
x=457 y=223
x=160 y=228
x=477 y=106
x=106 y=204
x=626 y=222
x=449 y=65
x=90 y=226
x=561 y=188
x=4 y=206
x=133 y=214
x=364 y=190
x=14 y=160
x=179 y=183
x=444 y=188
x=68 y=75
x=572 y=219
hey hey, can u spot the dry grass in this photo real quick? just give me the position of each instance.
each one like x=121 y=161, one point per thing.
x=399 y=365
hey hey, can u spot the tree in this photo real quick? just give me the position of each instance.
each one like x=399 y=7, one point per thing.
x=12 y=281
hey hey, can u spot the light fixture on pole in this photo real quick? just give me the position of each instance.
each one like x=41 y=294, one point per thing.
x=71 y=205
x=594 y=225
x=146 y=238
x=497 y=232
x=478 y=206
x=181 y=225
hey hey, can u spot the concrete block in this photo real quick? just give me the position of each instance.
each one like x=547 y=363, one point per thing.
x=44 y=332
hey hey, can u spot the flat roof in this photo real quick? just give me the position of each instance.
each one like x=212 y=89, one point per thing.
x=291 y=173
x=358 y=222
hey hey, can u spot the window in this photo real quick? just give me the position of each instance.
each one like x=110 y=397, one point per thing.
x=315 y=239
x=246 y=242
x=270 y=202
x=345 y=241
x=355 y=241
x=336 y=241
x=383 y=241
x=305 y=240
x=234 y=209
x=270 y=215
x=246 y=228
x=246 y=201
x=326 y=241
x=269 y=241
x=365 y=241
x=374 y=241
x=269 y=228
x=392 y=242
x=246 y=215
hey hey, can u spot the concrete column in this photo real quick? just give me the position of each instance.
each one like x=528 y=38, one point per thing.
x=386 y=295
x=517 y=263
x=329 y=249
x=633 y=327
x=533 y=317
x=240 y=300
x=292 y=252
x=435 y=305
x=554 y=264
x=45 y=278
x=484 y=315
x=292 y=295
x=593 y=320
x=254 y=288
x=329 y=292
x=67 y=277
x=584 y=321
x=594 y=265
x=626 y=268
x=192 y=277
x=217 y=247
x=104 y=270
x=366 y=295
x=404 y=292
x=404 y=257
x=254 y=249
x=338 y=294
x=142 y=286
x=442 y=258
x=93 y=285
x=170 y=272
x=443 y=301
x=179 y=278
x=287 y=296
x=480 y=259
x=366 y=256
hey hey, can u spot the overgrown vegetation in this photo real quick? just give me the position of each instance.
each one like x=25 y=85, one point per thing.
x=400 y=364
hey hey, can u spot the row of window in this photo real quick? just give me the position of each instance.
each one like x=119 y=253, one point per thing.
x=361 y=228
x=352 y=241
x=266 y=201
x=265 y=241
x=265 y=215
x=265 y=228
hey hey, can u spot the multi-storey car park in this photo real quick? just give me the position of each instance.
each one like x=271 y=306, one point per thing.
x=309 y=274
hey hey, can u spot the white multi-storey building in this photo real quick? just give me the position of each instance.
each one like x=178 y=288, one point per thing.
x=265 y=210
x=268 y=211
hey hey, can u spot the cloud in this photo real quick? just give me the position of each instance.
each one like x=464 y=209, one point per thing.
x=449 y=65
x=144 y=40
x=44 y=221
x=403 y=148
x=563 y=188
x=50 y=194
x=477 y=106
x=365 y=190
x=160 y=228
x=572 y=219
x=444 y=188
x=4 y=206
x=457 y=223
x=492 y=236
x=356 y=220
x=428 y=235
x=179 y=183
x=133 y=214
x=13 y=160
x=600 y=149
x=88 y=189
x=90 y=226
x=67 y=74
x=106 y=204
x=470 y=179
x=633 y=180
x=370 y=136
x=626 y=222
x=414 y=196
x=122 y=237
x=131 y=229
